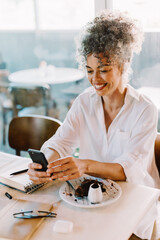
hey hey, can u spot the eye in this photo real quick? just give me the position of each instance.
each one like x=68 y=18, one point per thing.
x=89 y=71
x=105 y=71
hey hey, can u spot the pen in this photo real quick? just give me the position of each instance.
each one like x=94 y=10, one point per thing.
x=8 y=195
x=18 y=172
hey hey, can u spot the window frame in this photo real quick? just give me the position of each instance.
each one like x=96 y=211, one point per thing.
x=103 y=4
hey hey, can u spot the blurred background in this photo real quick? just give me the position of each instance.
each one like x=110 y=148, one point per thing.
x=40 y=35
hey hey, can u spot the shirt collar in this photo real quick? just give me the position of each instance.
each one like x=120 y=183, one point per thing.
x=131 y=93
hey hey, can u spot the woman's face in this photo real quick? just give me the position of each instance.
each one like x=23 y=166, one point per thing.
x=104 y=77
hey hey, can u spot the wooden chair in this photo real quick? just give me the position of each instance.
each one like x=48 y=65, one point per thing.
x=157 y=151
x=31 y=131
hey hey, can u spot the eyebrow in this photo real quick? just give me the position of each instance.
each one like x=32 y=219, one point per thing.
x=88 y=66
x=102 y=65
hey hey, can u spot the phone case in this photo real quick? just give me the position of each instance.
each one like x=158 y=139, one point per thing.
x=38 y=157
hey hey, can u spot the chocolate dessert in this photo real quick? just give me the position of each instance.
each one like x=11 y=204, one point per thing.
x=82 y=190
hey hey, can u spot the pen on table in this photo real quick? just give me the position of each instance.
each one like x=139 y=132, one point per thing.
x=8 y=195
x=18 y=172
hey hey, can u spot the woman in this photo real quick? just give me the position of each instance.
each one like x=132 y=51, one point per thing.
x=111 y=123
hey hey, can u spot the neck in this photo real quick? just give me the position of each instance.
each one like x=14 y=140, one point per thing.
x=114 y=101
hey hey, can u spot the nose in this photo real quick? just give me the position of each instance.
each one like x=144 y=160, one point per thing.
x=96 y=76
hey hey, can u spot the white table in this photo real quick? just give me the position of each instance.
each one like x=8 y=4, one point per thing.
x=52 y=75
x=114 y=222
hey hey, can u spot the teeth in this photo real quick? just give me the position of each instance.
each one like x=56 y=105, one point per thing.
x=99 y=86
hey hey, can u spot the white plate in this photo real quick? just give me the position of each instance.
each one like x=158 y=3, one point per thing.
x=112 y=194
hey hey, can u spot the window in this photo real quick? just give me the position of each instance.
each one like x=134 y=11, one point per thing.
x=145 y=10
x=64 y=14
x=17 y=15
x=45 y=14
x=32 y=31
x=146 y=66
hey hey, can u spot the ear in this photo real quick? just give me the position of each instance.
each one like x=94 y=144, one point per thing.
x=121 y=68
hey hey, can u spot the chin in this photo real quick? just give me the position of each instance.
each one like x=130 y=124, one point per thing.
x=101 y=93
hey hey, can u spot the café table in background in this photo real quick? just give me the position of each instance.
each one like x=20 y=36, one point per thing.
x=50 y=75
x=58 y=78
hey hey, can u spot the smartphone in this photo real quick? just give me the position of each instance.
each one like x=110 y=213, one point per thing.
x=38 y=157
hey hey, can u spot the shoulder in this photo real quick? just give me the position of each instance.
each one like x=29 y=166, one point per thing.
x=143 y=113
x=141 y=106
x=141 y=100
x=147 y=104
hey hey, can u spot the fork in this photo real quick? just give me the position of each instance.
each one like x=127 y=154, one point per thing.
x=71 y=185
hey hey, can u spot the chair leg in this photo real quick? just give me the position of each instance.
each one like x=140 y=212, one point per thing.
x=4 y=125
x=18 y=153
x=46 y=109
x=4 y=117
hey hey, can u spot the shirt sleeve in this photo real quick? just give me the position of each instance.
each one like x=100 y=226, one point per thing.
x=65 y=140
x=138 y=159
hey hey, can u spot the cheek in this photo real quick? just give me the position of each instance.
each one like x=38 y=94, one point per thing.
x=107 y=77
x=114 y=77
x=89 y=79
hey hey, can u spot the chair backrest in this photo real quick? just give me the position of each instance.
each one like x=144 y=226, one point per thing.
x=31 y=131
x=157 y=151
x=27 y=95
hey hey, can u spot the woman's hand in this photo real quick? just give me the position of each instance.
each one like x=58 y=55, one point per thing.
x=67 y=168
x=38 y=176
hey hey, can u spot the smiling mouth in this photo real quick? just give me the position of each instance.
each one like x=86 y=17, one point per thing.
x=100 y=86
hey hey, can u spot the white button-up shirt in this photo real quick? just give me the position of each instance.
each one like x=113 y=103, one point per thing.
x=129 y=140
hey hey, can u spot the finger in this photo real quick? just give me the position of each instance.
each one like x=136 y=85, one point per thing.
x=35 y=166
x=37 y=173
x=37 y=180
x=59 y=162
x=70 y=177
x=61 y=168
x=62 y=174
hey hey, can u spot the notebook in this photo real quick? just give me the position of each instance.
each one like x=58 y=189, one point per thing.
x=20 y=181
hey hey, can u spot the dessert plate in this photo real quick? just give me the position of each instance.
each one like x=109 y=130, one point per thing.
x=112 y=193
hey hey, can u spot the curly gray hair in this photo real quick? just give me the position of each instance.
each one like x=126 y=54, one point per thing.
x=115 y=35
